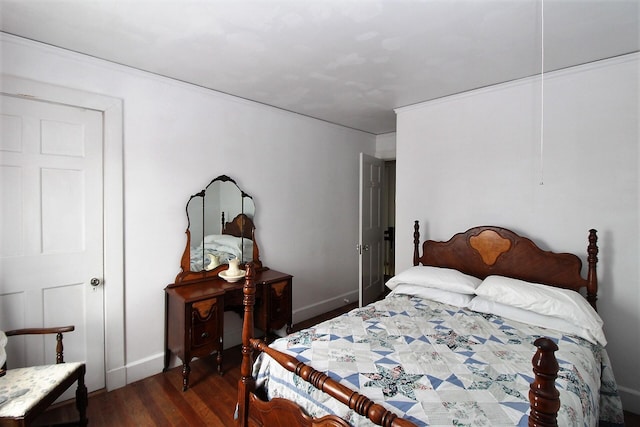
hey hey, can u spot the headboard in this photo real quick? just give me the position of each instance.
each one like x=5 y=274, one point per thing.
x=240 y=226
x=488 y=250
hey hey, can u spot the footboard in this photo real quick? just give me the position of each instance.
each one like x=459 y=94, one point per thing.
x=543 y=395
x=354 y=400
x=284 y=412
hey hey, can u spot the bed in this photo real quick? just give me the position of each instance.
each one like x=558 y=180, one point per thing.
x=485 y=329
x=234 y=242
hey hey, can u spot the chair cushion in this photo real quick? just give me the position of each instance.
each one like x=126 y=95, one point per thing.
x=22 y=388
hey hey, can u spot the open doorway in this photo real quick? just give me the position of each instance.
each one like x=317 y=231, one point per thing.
x=389 y=217
x=376 y=262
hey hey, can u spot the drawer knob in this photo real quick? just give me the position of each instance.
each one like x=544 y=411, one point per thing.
x=204 y=335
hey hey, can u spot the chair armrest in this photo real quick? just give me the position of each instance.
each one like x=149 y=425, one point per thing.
x=40 y=331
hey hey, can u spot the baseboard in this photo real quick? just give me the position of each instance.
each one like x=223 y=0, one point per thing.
x=144 y=368
x=233 y=322
x=630 y=399
x=232 y=330
x=324 y=306
x=154 y=364
x=116 y=378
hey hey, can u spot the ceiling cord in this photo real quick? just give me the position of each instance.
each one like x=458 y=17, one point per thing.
x=542 y=93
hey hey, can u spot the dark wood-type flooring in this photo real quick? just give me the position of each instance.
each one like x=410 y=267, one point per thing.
x=159 y=400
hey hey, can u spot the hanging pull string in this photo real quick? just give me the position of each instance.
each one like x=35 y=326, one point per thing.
x=542 y=93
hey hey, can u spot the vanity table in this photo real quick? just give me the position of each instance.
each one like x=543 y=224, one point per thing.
x=195 y=314
x=195 y=303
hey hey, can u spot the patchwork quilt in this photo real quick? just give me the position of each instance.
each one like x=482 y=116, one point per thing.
x=440 y=365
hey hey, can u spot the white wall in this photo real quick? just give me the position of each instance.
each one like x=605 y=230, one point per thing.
x=386 y=146
x=302 y=173
x=477 y=159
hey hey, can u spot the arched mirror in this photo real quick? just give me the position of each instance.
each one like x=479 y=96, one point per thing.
x=220 y=227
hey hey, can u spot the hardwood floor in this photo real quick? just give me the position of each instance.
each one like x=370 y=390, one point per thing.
x=159 y=400
x=631 y=420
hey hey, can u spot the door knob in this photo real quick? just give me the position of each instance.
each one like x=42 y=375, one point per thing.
x=362 y=248
x=95 y=281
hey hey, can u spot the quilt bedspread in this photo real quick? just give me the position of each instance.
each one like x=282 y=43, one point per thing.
x=440 y=365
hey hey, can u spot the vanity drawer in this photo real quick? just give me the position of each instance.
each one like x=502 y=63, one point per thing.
x=206 y=322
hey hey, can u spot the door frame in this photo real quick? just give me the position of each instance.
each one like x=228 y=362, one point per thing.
x=113 y=206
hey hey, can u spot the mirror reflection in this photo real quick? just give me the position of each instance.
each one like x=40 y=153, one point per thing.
x=220 y=227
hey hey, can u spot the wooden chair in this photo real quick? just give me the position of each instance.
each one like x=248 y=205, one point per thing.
x=27 y=392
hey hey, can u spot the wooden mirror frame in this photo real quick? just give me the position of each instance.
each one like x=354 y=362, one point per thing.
x=240 y=226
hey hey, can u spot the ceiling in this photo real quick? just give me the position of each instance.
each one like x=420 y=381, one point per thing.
x=349 y=62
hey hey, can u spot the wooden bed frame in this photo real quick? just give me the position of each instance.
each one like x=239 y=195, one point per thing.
x=240 y=226
x=480 y=251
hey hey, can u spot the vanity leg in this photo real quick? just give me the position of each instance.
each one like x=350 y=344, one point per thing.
x=167 y=358
x=219 y=361
x=186 y=369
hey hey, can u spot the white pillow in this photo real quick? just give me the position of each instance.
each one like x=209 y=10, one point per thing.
x=446 y=279
x=439 y=295
x=542 y=299
x=222 y=239
x=229 y=243
x=483 y=305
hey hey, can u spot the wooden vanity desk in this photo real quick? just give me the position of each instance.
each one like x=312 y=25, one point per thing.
x=220 y=229
x=194 y=314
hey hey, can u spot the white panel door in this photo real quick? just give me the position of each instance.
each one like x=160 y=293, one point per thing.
x=371 y=229
x=51 y=225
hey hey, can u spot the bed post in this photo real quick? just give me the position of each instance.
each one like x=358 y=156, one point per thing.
x=544 y=398
x=246 y=383
x=592 y=277
x=416 y=242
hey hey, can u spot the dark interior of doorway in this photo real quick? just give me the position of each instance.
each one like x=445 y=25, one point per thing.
x=389 y=217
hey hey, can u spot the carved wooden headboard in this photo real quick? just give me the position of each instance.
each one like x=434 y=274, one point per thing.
x=240 y=226
x=488 y=250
